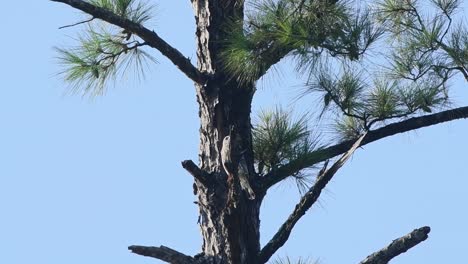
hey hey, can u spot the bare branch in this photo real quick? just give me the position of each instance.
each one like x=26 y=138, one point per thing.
x=163 y=253
x=195 y=171
x=77 y=23
x=398 y=246
x=323 y=154
x=149 y=36
x=305 y=204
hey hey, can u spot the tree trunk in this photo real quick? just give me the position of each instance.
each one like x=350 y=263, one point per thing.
x=229 y=221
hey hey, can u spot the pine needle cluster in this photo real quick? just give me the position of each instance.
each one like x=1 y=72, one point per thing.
x=424 y=51
x=358 y=104
x=301 y=29
x=288 y=260
x=103 y=52
x=425 y=45
x=278 y=138
x=133 y=10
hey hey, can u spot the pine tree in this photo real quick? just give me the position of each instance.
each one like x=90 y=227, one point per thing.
x=238 y=42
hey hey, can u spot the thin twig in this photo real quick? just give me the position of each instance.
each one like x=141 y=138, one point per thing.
x=78 y=23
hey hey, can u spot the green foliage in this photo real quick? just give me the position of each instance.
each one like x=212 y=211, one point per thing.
x=425 y=44
x=242 y=59
x=349 y=128
x=357 y=105
x=104 y=52
x=134 y=10
x=425 y=51
x=278 y=139
x=303 y=29
x=287 y=260
x=100 y=56
x=384 y=100
x=345 y=90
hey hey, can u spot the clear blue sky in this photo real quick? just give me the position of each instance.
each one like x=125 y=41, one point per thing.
x=82 y=179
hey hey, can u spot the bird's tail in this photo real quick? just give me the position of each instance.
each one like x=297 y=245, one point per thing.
x=244 y=183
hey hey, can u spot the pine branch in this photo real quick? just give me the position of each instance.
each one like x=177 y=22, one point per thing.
x=398 y=246
x=274 y=50
x=271 y=57
x=163 y=253
x=305 y=204
x=149 y=36
x=400 y=127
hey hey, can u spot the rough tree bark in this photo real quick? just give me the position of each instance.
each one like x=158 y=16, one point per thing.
x=230 y=229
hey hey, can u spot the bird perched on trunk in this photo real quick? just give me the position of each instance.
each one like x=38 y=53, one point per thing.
x=226 y=156
x=229 y=167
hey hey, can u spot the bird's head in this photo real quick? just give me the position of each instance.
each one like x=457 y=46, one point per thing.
x=227 y=140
